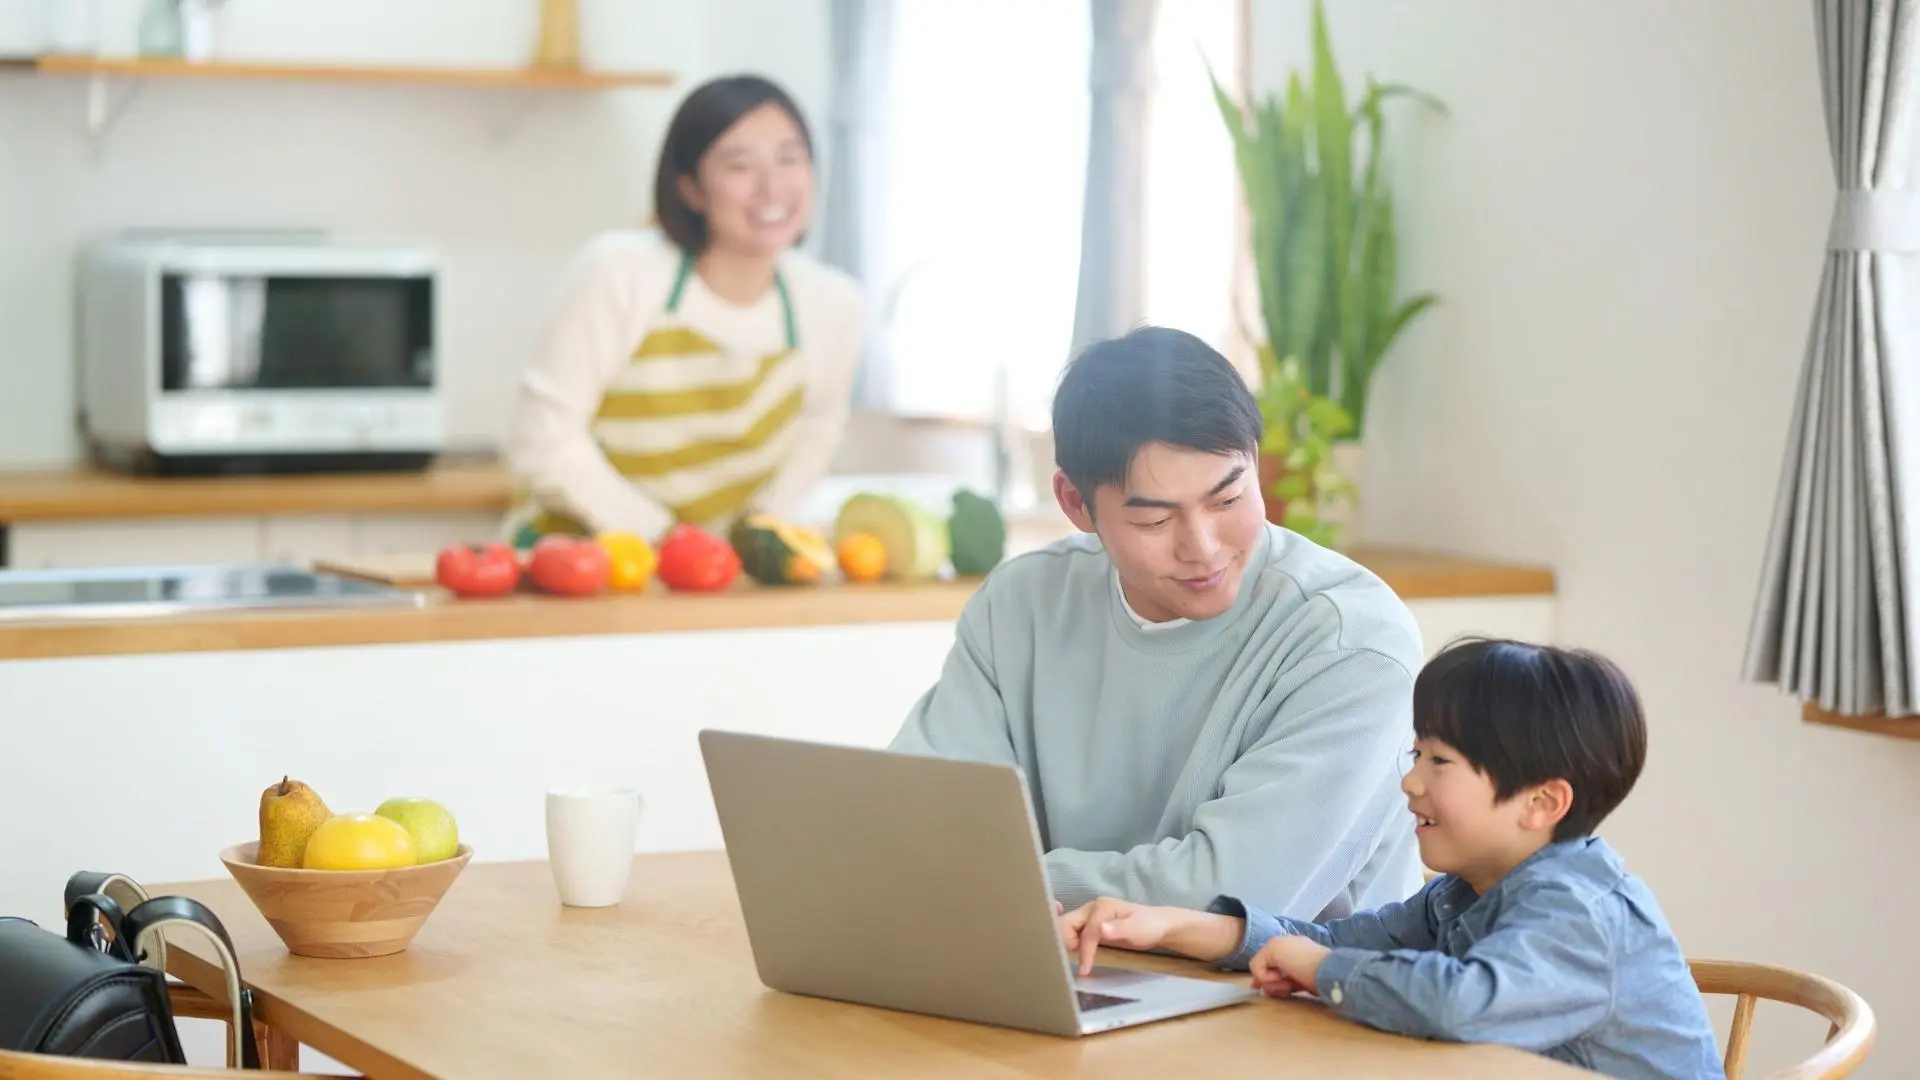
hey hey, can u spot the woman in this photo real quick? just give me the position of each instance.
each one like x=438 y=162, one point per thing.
x=700 y=370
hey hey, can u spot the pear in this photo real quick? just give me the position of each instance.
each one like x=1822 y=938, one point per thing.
x=289 y=813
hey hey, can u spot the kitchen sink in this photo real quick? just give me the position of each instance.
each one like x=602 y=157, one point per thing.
x=120 y=592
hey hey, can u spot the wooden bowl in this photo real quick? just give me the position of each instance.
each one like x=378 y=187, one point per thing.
x=341 y=914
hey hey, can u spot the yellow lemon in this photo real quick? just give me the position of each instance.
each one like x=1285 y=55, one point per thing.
x=359 y=842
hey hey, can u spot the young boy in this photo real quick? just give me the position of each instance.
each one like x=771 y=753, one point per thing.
x=1535 y=935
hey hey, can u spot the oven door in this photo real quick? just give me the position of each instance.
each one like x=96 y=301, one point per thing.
x=280 y=332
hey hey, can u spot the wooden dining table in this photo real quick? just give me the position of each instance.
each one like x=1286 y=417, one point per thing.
x=504 y=981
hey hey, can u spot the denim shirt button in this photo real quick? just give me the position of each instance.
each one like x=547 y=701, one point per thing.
x=1335 y=995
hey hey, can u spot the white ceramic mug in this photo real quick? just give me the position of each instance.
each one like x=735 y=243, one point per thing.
x=590 y=839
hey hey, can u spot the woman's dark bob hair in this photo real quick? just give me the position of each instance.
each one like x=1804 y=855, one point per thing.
x=709 y=111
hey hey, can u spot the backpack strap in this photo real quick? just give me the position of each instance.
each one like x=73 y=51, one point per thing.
x=125 y=892
x=95 y=922
x=142 y=933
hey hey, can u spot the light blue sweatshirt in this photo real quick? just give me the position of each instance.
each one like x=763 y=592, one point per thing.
x=1257 y=754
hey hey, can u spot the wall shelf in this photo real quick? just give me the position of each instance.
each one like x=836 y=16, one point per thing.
x=479 y=78
x=131 y=72
x=1899 y=727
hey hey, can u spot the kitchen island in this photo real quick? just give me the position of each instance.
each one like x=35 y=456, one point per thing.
x=142 y=745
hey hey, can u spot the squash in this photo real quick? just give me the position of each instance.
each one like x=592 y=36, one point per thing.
x=915 y=538
x=776 y=552
x=977 y=533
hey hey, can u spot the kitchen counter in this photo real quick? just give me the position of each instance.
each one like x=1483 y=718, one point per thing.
x=484 y=704
x=1415 y=575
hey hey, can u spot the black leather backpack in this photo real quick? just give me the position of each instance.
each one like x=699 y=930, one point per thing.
x=99 y=989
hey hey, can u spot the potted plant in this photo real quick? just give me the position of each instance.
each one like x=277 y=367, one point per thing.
x=1324 y=244
x=1304 y=486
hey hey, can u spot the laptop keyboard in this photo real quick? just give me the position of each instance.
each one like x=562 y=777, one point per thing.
x=1091 y=1000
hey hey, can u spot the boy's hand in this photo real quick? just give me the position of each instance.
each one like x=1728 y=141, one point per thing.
x=1108 y=921
x=1287 y=965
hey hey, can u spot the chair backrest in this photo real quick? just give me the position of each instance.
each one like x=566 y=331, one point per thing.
x=1850 y=1021
x=17 y=1066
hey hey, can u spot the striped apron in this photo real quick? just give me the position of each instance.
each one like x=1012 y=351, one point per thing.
x=693 y=424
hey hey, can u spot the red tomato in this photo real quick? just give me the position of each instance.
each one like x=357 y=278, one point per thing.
x=569 y=566
x=477 y=569
x=693 y=559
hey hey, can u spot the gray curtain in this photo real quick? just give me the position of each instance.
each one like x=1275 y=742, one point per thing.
x=1837 y=620
x=860 y=34
x=1112 y=293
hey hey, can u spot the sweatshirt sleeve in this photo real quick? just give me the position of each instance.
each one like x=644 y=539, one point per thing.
x=962 y=715
x=1295 y=816
x=822 y=424
x=550 y=445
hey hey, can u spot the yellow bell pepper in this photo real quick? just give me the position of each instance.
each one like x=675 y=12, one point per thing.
x=632 y=560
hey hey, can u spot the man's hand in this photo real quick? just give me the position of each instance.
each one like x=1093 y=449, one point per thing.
x=1058 y=908
x=1287 y=965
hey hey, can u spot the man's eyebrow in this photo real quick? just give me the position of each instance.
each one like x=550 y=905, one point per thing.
x=1226 y=483
x=1163 y=504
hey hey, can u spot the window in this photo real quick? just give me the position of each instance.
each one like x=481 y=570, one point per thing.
x=986 y=173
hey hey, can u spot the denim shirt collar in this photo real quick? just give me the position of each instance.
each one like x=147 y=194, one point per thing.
x=1580 y=856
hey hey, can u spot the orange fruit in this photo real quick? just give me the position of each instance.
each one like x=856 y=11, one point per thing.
x=862 y=557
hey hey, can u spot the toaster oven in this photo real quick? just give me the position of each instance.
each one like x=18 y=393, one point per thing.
x=258 y=352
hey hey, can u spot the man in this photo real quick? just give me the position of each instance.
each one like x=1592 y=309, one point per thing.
x=1203 y=703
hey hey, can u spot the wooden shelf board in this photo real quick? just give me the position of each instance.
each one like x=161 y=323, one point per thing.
x=92 y=495
x=1898 y=727
x=498 y=78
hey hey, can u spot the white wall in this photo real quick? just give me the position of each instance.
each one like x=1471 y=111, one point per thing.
x=1626 y=214
x=383 y=159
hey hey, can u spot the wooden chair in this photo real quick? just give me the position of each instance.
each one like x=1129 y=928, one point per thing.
x=1850 y=1030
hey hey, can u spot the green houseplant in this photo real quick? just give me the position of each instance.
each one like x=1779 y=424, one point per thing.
x=1296 y=449
x=1324 y=244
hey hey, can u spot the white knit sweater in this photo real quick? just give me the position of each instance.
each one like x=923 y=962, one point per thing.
x=616 y=291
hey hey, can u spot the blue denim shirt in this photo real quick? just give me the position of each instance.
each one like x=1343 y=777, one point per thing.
x=1568 y=956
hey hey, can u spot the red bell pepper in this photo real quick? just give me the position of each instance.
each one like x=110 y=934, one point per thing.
x=693 y=559
x=477 y=569
x=569 y=566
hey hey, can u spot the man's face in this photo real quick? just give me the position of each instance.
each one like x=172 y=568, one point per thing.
x=1178 y=531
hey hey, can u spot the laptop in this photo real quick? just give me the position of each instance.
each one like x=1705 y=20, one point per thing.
x=913 y=883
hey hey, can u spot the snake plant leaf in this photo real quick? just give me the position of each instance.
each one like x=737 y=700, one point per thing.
x=1324 y=250
x=1379 y=92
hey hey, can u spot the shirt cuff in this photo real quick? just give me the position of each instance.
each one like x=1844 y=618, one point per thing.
x=1260 y=929
x=1332 y=983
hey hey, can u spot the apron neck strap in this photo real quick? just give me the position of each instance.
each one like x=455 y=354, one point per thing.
x=685 y=273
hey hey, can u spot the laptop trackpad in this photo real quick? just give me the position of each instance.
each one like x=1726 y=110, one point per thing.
x=1115 y=979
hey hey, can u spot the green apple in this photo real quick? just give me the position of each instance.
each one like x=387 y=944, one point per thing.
x=435 y=835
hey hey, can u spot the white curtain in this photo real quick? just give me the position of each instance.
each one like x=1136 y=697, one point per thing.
x=1837 y=619
x=860 y=36
x=1112 y=292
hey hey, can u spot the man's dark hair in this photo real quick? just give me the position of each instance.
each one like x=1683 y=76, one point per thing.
x=697 y=124
x=1153 y=384
x=1524 y=714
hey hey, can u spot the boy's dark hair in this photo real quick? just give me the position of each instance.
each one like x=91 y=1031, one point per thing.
x=1152 y=384
x=701 y=119
x=1524 y=714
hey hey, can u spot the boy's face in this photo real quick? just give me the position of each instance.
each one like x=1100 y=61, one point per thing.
x=1179 y=531
x=1462 y=829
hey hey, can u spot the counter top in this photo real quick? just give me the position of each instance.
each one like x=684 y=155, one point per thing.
x=1415 y=575
x=94 y=494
